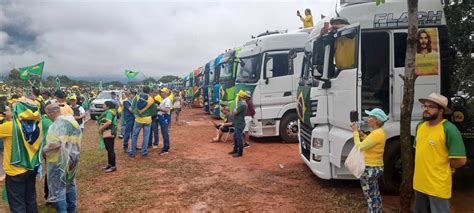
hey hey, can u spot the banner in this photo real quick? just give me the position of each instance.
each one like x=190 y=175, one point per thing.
x=427 y=52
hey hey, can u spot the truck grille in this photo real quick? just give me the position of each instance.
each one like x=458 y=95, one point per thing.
x=305 y=140
x=314 y=107
x=99 y=106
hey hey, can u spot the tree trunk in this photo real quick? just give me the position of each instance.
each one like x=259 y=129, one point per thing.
x=406 y=190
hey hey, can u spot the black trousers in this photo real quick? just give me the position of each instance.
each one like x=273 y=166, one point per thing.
x=109 y=146
x=21 y=192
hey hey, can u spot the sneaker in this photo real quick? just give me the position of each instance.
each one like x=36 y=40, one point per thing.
x=145 y=155
x=106 y=167
x=111 y=169
x=155 y=146
x=246 y=145
x=120 y=136
x=163 y=153
x=131 y=155
x=237 y=155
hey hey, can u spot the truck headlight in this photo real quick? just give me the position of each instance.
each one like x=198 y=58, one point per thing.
x=317 y=143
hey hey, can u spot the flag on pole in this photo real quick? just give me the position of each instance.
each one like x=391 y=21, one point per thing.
x=100 y=85
x=36 y=69
x=131 y=74
x=58 y=83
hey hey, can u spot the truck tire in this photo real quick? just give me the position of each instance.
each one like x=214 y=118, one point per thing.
x=289 y=128
x=392 y=176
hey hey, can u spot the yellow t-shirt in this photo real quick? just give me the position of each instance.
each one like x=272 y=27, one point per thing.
x=372 y=147
x=171 y=97
x=435 y=145
x=307 y=21
x=6 y=131
x=65 y=109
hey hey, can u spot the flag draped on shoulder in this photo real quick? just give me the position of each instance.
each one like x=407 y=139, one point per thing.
x=36 y=69
x=131 y=74
x=143 y=105
x=27 y=134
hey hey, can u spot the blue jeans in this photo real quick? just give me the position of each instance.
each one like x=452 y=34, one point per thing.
x=127 y=133
x=238 y=139
x=164 y=121
x=146 y=136
x=154 y=133
x=68 y=204
x=122 y=124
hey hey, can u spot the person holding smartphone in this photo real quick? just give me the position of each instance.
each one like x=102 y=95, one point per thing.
x=372 y=146
x=307 y=20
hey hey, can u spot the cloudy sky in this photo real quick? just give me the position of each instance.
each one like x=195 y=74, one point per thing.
x=104 y=37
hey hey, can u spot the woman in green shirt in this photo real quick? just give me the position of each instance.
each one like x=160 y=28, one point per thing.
x=108 y=121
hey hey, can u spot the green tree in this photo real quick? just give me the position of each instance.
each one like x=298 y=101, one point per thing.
x=409 y=78
x=168 y=78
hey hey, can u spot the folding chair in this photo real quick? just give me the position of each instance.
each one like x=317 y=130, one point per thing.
x=231 y=131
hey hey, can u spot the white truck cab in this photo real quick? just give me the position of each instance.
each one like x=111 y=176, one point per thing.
x=263 y=70
x=357 y=67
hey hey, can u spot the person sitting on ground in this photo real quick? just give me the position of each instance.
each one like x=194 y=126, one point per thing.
x=223 y=127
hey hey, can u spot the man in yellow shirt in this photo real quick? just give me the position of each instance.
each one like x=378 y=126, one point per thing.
x=143 y=106
x=439 y=149
x=308 y=20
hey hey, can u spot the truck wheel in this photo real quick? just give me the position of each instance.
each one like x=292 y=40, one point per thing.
x=392 y=175
x=289 y=128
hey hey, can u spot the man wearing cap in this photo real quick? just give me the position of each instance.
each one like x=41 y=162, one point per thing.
x=79 y=112
x=239 y=124
x=439 y=149
x=248 y=117
x=164 y=111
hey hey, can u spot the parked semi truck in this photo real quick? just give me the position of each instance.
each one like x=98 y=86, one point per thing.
x=213 y=91
x=357 y=67
x=205 y=86
x=263 y=70
x=227 y=75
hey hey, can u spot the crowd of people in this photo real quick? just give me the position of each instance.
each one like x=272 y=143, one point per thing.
x=42 y=131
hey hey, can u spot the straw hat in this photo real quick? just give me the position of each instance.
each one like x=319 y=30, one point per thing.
x=438 y=99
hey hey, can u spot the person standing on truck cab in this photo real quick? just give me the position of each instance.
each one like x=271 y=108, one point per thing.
x=439 y=148
x=372 y=146
x=308 y=20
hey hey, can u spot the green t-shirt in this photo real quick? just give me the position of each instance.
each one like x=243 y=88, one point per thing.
x=239 y=118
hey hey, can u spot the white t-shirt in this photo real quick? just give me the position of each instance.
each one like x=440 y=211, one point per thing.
x=177 y=102
x=166 y=103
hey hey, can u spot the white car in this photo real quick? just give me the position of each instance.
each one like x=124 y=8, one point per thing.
x=97 y=106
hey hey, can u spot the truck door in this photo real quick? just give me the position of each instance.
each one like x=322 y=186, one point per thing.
x=424 y=85
x=342 y=71
x=277 y=86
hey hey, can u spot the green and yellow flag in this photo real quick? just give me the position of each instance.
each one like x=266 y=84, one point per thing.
x=36 y=69
x=27 y=134
x=143 y=105
x=131 y=74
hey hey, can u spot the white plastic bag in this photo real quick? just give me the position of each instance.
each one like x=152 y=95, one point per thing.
x=355 y=162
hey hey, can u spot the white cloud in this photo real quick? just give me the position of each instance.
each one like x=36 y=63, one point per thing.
x=156 y=37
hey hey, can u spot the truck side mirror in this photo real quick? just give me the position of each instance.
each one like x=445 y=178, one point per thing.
x=269 y=68
x=292 y=54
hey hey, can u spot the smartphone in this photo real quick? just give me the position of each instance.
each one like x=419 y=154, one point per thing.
x=354 y=116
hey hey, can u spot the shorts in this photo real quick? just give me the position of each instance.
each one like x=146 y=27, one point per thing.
x=248 y=121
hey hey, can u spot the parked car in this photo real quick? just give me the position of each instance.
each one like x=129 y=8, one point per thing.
x=97 y=105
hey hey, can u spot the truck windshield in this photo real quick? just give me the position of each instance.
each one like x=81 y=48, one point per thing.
x=248 y=70
x=226 y=71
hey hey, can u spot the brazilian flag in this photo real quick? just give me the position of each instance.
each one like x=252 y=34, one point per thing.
x=130 y=74
x=36 y=69
x=27 y=135
x=303 y=107
x=143 y=105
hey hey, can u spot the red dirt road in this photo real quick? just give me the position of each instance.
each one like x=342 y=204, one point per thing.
x=199 y=176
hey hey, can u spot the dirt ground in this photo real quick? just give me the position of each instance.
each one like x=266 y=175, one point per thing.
x=199 y=176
